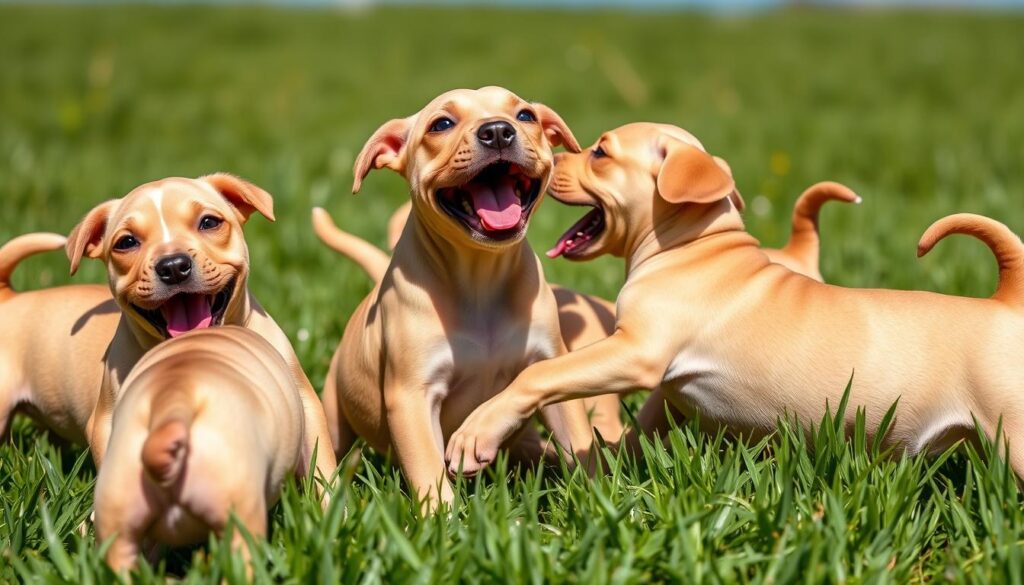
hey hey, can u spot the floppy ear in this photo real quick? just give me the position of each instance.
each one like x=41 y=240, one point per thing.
x=86 y=238
x=737 y=199
x=242 y=195
x=556 y=130
x=690 y=175
x=383 y=149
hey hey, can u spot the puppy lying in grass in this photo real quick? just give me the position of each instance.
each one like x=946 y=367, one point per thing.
x=707 y=318
x=207 y=424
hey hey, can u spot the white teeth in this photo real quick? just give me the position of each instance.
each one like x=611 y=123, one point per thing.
x=580 y=234
x=568 y=242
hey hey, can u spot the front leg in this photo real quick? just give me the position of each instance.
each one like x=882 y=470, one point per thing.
x=569 y=423
x=101 y=422
x=413 y=419
x=316 y=434
x=616 y=365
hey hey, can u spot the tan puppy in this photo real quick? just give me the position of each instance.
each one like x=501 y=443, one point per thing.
x=51 y=353
x=463 y=306
x=582 y=319
x=707 y=318
x=177 y=261
x=585 y=319
x=207 y=424
x=800 y=254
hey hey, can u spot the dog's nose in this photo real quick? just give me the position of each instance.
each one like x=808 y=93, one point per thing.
x=174 y=269
x=496 y=135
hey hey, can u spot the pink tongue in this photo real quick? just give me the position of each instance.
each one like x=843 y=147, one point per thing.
x=558 y=249
x=498 y=209
x=186 y=312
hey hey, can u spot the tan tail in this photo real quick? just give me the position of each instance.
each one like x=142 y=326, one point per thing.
x=166 y=448
x=1005 y=244
x=370 y=258
x=16 y=250
x=804 y=241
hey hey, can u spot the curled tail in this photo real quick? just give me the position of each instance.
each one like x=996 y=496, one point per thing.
x=803 y=243
x=165 y=450
x=16 y=250
x=1005 y=244
x=370 y=258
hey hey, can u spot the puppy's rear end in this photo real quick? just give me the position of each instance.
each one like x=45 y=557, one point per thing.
x=208 y=425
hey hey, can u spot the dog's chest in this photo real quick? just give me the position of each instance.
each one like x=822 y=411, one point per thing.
x=477 y=362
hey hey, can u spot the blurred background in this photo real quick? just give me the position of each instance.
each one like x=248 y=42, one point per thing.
x=918 y=108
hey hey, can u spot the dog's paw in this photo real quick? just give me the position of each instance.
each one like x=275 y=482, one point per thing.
x=468 y=453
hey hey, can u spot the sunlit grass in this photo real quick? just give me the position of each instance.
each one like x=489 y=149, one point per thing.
x=922 y=113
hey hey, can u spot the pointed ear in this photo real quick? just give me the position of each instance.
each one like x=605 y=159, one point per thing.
x=690 y=175
x=242 y=195
x=737 y=199
x=86 y=238
x=556 y=130
x=384 y=149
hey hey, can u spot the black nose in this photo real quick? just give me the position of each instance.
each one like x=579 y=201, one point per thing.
x=174 y=269
x=496 y=135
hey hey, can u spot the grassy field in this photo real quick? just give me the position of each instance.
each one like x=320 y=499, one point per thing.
x=922 y=113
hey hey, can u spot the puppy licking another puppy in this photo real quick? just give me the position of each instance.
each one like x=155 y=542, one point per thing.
x=585 y=319
x=707 y=318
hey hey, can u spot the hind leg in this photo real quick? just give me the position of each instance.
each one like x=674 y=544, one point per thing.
x=253 y=516
x=652 y=421
x=11 y=393
x=604 y=413
x=122 y=511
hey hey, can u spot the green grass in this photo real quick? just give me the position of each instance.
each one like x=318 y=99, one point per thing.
x=922 y=113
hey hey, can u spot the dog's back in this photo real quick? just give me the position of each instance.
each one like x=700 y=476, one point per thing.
x=52 y=351
x=208 y=423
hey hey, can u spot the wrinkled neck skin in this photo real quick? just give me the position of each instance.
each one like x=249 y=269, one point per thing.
x=476 y=275
x=686 y=228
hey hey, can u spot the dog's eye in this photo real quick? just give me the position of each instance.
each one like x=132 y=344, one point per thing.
x=598 y=152
x=209 y=222
x=526 y=116
x=442 y=124
x=127 y=242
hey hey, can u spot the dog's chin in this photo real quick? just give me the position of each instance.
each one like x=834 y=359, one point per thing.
x=583 y=240
x=494 y=207
x=186 y=311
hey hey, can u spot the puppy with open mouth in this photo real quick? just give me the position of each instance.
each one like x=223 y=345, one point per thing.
x=707 y=318
x=582 y=318
x=800 y=254
x=177 y=262
x=463 y=305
